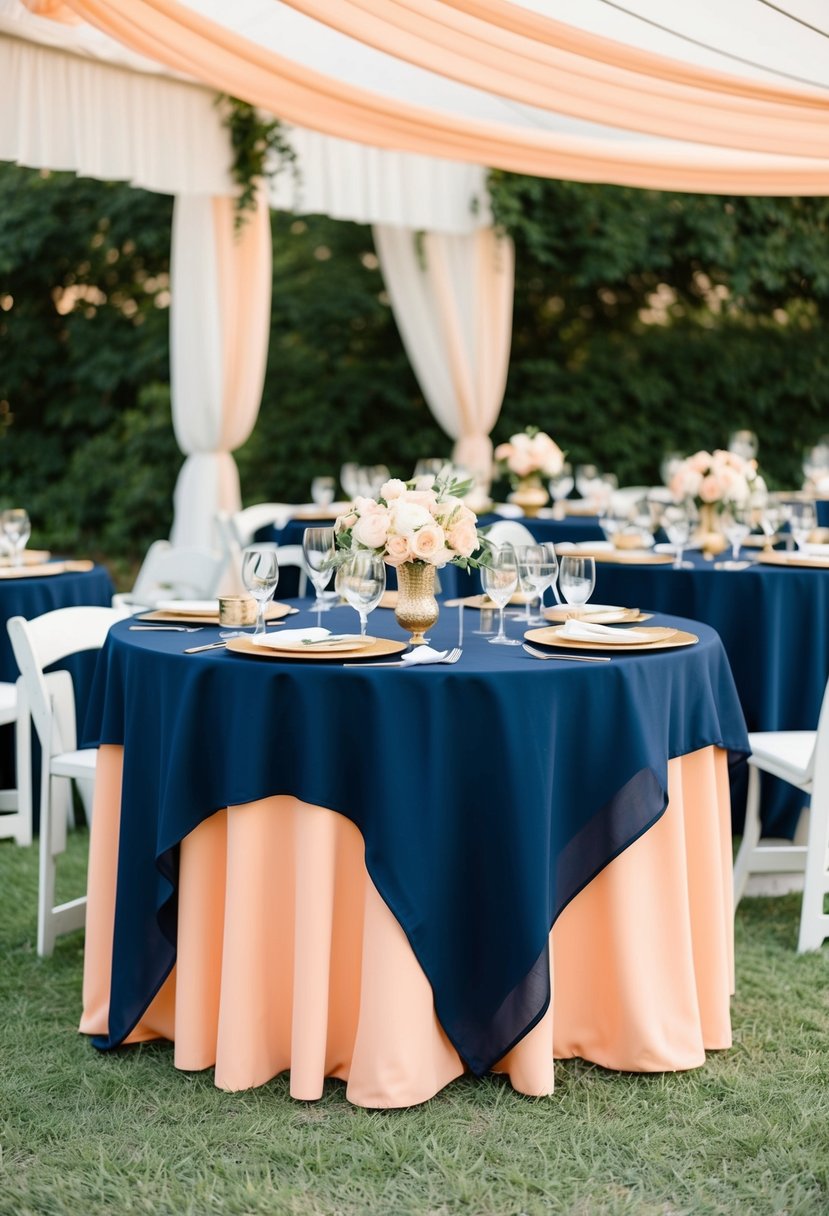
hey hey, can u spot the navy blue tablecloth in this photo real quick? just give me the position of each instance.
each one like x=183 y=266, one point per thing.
x=774 y=624
x=488 y=793
x=31 y=597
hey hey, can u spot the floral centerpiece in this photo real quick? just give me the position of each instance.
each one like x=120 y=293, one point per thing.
x=526 y=458
x=417 y=527
x=716 y=481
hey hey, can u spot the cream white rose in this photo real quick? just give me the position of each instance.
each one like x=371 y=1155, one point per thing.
x=372 y=529
x=392 y=489
x=407 y=516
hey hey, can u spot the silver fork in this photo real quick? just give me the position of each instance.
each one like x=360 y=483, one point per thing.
x=166 y=628
x=571 y=658
x=451 y=656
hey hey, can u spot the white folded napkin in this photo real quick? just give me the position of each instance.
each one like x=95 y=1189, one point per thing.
x=283 y=637
x=586 y=631
x=422 y=654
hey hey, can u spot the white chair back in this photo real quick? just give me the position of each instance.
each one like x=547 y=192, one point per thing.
x=510 y=532
x=247 y=522
x=237 y=532
x=176 y=572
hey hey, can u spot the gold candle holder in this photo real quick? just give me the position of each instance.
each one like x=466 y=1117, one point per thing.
x=237 y=610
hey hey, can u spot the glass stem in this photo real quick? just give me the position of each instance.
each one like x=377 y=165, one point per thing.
x=501 y=633
x=260 y=619
x=363 y=623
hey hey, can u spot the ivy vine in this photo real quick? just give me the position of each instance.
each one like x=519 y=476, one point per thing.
x=254 y=139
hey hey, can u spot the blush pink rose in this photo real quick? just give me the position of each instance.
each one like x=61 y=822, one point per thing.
x=397 y=550
x=711 y=489
x=344 y=522
x=372 y=529
x=429 y=544
x=463 y=538
x=521 y=464
x=700 y=462
x=423 y=498
x=367 y=506
x=503 y=451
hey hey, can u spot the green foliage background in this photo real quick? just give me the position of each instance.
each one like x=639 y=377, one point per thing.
x=644 y=322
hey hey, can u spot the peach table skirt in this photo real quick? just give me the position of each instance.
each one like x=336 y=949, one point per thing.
x=289 y=959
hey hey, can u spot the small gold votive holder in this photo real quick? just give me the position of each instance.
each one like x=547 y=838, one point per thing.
x=237 y=610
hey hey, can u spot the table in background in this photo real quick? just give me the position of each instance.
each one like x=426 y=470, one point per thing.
x=476 y=791
x=774 y=625
x=31 y=597
x=453 y=581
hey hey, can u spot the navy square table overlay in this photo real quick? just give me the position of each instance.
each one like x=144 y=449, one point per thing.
x=488 y=793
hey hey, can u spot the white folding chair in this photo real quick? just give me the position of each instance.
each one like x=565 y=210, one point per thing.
x=51 y=701
x=16 y=804
x=800 y=757
x=239 y=530
x=509 y=532
x=174 y=572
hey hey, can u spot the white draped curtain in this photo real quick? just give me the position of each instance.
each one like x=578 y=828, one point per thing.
x=452 y=300
x=219 y=329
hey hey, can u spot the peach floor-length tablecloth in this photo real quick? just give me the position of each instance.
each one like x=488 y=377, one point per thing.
x=289 y=959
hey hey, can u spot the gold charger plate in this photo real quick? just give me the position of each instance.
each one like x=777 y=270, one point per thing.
x=519 y=600
x=273 y=612
x=321 y=513
x=49 y=568
x=379 y=647
x=663 y=638
x=796 y=560
x=31 y=557
x=611 y=616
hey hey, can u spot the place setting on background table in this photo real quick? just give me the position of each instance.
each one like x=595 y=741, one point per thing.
x=16 y=561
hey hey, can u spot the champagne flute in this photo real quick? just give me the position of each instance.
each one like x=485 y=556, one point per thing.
x=361 y=581
x=318 y=551
x=260 y=574
x=499 y=579
x=17 y=529
x=577 y=578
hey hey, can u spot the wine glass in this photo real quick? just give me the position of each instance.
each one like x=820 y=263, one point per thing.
x=669 y=464
x=771 y=519
x=260 y=574
x=816 y=464
x=499 y=579
x=577 y=578
x=678 y=519
x=17 y=529
x=322 y=491
x=736 y=525
x=350 y=480
x=528 y=557
x=744 y=443
x=538 y=568
x=560 y=486
x=361 y=581
x=318 y=551
x=586 y=477
x=802 y=521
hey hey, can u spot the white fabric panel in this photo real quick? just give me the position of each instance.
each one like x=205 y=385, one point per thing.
x=452 y=300
x=208 y=482
x=65 y=112
x=351 y=181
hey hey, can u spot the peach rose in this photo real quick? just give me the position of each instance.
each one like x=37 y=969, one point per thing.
x=372 y=529
x=710 y=489
x=429 y=544
x=699 y=462
x=367 y=506
x=423 y=498
x=521 y=464
x=398 y=550
x=463 y=538
x=344 y=522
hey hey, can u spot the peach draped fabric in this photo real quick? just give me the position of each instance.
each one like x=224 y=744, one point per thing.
x=219 y=330
x=289 y=959
x=467 y=48
x=452 y=300
x=185 y=41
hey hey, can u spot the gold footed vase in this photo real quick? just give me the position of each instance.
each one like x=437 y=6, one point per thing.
x=530 y=496
x=417 y=609
x=710 y=535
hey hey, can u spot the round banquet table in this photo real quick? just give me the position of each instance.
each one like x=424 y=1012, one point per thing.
x=31 y=597
x=773 y=625
x=294 y=861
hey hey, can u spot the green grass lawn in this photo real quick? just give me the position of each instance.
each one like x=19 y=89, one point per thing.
x=87 y=1134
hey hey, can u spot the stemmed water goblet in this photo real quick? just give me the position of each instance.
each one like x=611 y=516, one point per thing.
x=744 y=443
x=802 y=518
x=678 y=519
x=361 y=581
x=499 y=579
x=736 y=525
x=322 y=491
x=17 y=529
x=771 y=518
x=260 y=575
x=560 y=486
x=318 y=549
x=538 y=568
x=577 y=578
